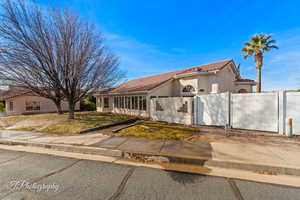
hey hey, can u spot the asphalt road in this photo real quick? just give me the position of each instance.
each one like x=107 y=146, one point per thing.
x=35 y=176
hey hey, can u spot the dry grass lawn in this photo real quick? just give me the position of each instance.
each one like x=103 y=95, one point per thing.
x=158 y=130
x=59 y=124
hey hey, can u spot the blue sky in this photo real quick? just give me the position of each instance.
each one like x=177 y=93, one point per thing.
x=158 y=36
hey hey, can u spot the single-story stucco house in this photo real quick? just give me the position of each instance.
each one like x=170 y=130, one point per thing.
x=133 y=97
x=19 y=101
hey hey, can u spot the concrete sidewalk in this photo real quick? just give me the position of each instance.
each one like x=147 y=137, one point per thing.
x=244 y=156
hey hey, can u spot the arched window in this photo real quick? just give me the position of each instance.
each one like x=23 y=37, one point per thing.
x=243 y=91
x=188 y=88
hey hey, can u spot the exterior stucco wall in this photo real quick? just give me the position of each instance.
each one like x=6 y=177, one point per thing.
x=46 y=105
x=225 y=79
x=222 y=81
x=173 y=110
x=175 y=88
x=200 y=82
x=219 y=82
x=205 y=83
x=164 y=90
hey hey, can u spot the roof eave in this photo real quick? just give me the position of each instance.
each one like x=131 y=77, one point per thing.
x=245 y=83
x=194 y=74
x=14 y=96
x=122 y=93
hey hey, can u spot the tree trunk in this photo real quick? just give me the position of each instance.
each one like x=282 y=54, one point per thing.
x=58 y=107
x=71 y=110
x=258 y=86
x=258 y=62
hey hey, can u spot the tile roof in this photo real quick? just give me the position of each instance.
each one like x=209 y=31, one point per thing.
x=244 y=80
x=145 y=83
x=105 y=90
x=208 y=67
x=149 y=82
x=13 y=91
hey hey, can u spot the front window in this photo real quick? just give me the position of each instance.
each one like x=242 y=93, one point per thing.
x=132 y=103
x=106 y=102
x=119 y=102
x=32 y=106
x=11 y=106
x=125 y=103
x=215 y=88
x=128 y=102
x=144 y=107
x=140 y=103
x=136 y=103
x=116 y=102
x=122 y=102
x=188 y=88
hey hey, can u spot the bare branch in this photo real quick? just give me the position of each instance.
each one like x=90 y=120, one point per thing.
x=55 y=54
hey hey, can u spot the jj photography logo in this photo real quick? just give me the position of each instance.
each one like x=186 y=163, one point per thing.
x=20 y=184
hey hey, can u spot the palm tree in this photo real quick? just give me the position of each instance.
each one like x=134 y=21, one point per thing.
x=258 y=45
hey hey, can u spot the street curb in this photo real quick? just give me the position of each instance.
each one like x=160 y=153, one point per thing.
x=180 y=159
x=253 y=167
x=170 y=158
x=67 y=148
x=109 y=152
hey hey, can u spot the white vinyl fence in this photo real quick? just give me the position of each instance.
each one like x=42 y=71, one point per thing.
x=253 y=111
x=212 y=109
x=293 y=110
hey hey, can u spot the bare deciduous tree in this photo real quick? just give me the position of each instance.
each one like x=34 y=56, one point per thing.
x=55 y=54
x=24 y=44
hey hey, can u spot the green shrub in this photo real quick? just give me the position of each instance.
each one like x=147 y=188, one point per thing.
x=87 y=105
x=2 y=107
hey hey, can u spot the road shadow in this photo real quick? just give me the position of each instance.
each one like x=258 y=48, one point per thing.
x=199 y=153
x=185 y=178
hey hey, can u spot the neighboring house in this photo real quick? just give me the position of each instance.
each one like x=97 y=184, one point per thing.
x=19 y=101
x=133 y=97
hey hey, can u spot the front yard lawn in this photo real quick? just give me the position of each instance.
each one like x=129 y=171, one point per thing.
x=157 y=130
x=59 y=124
